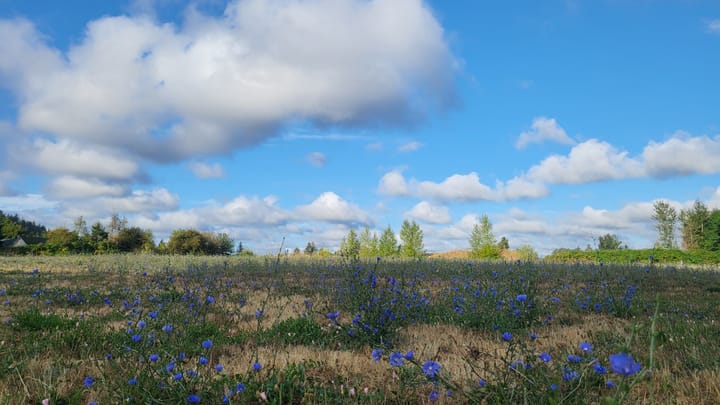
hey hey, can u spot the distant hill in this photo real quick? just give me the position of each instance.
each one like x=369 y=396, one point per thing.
x=509 y=255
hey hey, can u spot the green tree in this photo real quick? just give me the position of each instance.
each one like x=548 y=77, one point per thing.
x=368 y=243
x=609 y=242
x=218 y=244
x=134 y=239
x=482 y=240
x=60 y=240
x=186 y=241
x=694 y=223
x=387 y=245
x=665 y=218
x=310 y=248
x=504 y=244
x=712 y=233
x=350 y=245
x=527 y=253
x=10 y=229
x=412 y=240
x=99 y=238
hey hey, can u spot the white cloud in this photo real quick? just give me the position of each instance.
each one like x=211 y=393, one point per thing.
x=70 y=187
x=207 y=171
x=587 y=162
x=317 y=159
x=682 y=155
x=458 y=187
x=141 y=201
x=543 y=129
x=429 y=213
x=393 y=183
x=410 y=146
x=713 y=26
x=212 y=84
x=25 y=202
x=520 y=187
x=71 y=158
x=330 y=207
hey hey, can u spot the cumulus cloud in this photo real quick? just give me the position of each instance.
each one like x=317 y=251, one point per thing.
x=212 y=84
x=70 y=187
x=317 y=159
x=330 y=207
x=71 y=158
x=159 y=199
x=429 y=213
x=682 y=155
x=393 y=183
x=587 y=162
x=410 y=146
x=543 y=129
x=458 y=187
x=207 y=171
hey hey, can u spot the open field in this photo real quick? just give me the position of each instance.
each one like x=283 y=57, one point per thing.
x=164 y=329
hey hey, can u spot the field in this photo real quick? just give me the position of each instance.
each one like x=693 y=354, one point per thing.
x=164 y=329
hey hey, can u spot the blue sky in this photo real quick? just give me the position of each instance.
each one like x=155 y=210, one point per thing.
x=560 y=120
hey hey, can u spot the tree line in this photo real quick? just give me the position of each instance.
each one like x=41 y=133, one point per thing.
x=114 y=237
x=699 y=226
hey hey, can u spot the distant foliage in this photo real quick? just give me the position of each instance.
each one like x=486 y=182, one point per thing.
x=350 y=246
x=387 y=245
x=609 y=242
x=482 y=241
x=191 y=241
x=665 y=218
x=412 y=240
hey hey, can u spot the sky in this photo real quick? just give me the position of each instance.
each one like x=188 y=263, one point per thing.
x=562 y=120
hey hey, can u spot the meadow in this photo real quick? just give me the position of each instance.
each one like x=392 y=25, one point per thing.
x=238 y=330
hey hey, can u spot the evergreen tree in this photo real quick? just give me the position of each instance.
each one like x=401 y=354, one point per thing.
x=350 y=246
x=310 y=248
x=712 y=233
x=482 y=240
x=387 y=245
x=368 y=243
x=665 y=218
x=609 y=242
x=412 y=240
x=694 y=223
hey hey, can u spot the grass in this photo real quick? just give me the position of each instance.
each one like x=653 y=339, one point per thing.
x=304 y=331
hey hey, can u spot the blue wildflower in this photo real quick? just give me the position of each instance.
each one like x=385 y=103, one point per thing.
x=193 y=399
x=431 y=368
x=410 y=355
x=574 y=358
x=433 y=396
x=377 y=354
x=219 y=368
x=206 y=344
x=507 y=336
x=240 y=387
x=132 y=381
x=203 y=360
x=624 y=364
x=545 y=357
x=154 y=357
x=396 y=359
x=586 y=347
x=521 y=298
x=88 y=382
x=257 y=366
x=599 y=369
